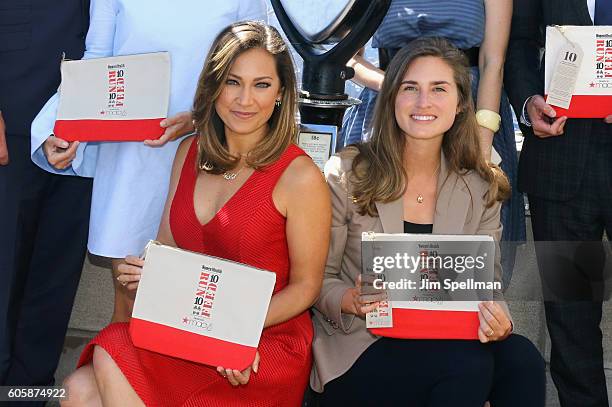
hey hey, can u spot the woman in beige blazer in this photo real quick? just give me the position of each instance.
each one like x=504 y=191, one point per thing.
x=421 y=172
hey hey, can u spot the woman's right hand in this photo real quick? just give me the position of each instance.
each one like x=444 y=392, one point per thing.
x=357 y=303
x=60 y=153
x=130 y=272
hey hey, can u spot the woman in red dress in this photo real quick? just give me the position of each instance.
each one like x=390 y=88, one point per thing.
x=240 y=190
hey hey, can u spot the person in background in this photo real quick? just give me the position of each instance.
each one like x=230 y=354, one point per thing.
x=43 y=228
x=131 y=178
x=241 y=190
x=422 y=171
x=565 y=169
x=480 y=28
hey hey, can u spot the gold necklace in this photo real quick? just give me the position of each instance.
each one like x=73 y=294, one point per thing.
x=420 y=198
x=230 y=176
x=227 y=175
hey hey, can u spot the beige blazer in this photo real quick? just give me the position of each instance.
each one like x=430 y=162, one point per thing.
x=460 y=209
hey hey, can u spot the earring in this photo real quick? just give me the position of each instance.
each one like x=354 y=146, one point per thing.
x=277 y=103
x=206 y=166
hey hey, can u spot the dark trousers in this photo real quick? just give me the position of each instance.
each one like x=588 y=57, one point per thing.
x=441 y=373
x=571 y=257
x=43 y=234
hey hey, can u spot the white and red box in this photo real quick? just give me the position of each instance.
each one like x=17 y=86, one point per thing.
x=414 y=313
x=121 y=98
x=200 y=308
x=592 y=96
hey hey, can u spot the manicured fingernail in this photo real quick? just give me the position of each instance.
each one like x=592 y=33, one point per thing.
x=162 y=123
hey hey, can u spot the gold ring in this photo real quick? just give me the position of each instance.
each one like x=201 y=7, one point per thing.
x=489 y=332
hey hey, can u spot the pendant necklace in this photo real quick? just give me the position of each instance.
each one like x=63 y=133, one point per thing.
x=420 y=198
x=230 y=176
x=227 y=175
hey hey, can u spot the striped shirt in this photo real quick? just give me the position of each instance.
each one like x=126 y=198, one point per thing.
x=460 y=21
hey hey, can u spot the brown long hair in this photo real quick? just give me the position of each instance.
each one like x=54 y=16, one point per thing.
x=213 y=154
x=377 y=170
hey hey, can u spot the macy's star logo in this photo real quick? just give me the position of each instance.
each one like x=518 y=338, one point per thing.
x=185 y=320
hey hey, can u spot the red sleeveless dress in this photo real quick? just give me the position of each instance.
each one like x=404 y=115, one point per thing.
x=248 y=229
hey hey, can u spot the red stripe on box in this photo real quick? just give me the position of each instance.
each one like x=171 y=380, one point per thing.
x=587 y=107
x=427 y=324
x=108 y=130
x=190 y=346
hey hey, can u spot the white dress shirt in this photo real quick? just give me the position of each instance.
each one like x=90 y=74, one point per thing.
x=131 y=179
x=591 y=6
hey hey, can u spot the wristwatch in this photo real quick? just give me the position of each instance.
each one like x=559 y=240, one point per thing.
x=524 y=119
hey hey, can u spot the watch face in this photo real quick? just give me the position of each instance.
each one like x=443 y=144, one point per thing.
x=317 y=19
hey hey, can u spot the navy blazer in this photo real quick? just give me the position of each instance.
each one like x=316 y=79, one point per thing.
x=33 y=36
x=552 y=167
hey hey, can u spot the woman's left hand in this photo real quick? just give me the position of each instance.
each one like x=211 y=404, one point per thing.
x=495 y=324
x=176 y=126
x=236 y=377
